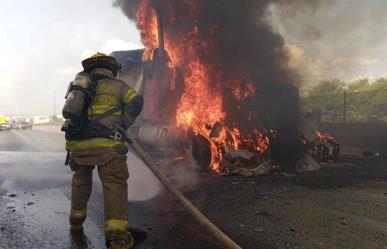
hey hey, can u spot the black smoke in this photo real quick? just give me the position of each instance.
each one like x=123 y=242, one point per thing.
x=232 y=37
x=245 y=43
x=128 y=7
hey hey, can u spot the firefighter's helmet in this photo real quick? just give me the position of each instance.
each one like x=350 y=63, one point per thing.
x=101 y=60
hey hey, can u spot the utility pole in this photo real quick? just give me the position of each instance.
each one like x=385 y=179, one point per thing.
x=54 y=103
x=344 y=106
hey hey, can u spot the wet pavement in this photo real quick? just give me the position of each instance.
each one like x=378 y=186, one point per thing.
x=35 y=199
x=343 y=206
x=34 y=193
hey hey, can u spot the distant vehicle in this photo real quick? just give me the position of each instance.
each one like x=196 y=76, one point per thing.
x=21 y=125
x=15 y=126
x=25 y=125
x=3 y=123
x=5 y=126
x=3 y=119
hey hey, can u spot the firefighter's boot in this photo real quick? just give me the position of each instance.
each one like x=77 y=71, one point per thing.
x=119 y=240
x=77 y=217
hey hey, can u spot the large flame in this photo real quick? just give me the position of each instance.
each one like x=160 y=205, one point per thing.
x=201 y=106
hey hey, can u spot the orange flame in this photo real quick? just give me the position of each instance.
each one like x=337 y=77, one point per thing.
x=147 y=24
x=201 y=106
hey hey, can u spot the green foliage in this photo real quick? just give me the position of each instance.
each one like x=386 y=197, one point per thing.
x=327 y=87
x=358 y=85
x=357 y=101
x=379 y=84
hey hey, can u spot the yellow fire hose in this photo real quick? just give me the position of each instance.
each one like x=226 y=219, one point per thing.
x=222 y=238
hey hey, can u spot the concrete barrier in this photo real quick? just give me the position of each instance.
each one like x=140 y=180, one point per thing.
x=359 y=137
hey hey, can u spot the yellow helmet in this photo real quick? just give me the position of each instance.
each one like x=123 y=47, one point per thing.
x=101 y=60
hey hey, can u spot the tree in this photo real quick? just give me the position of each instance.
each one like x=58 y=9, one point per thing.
x=327 y=87
x=363 y=100
x=359 y=85
x=327 y=96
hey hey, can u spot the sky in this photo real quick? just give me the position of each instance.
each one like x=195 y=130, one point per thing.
x=43 y=42
x=343 y=39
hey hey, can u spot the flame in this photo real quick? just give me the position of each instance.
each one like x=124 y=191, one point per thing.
x=232 y=139
x=324 y=136
x=245 y=92
x=201 y=107
x=147 y=24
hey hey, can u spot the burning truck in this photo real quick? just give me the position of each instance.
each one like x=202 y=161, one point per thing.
x=215 y=82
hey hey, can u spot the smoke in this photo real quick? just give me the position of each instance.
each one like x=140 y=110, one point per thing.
x=236 y=45
x=142 y=184
x=129 y=7
x=322 y=39
x=245 y=43
x=232 y=51
x=245 y=38
x=338 y=39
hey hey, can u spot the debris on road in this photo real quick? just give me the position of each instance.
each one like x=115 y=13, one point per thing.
x=371 y=154
x=259 y=230
x=307 y=163
x=245 y=163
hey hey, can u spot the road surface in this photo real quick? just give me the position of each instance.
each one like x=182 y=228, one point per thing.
x=341 y=206
x=35 y=198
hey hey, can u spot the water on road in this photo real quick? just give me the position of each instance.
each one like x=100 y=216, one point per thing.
x=342 y=206
x=35 y=193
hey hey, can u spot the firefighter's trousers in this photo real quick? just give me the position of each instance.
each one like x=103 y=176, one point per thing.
x=114 y=176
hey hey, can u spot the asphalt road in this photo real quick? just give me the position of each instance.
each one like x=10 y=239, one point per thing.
x=34 y=190
x=35 y=198
x=343 y=206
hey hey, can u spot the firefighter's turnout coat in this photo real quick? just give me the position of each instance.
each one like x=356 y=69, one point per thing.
x=110 y=93
x=108 y=154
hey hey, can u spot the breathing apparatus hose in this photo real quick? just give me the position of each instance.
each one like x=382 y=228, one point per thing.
x=220 y=237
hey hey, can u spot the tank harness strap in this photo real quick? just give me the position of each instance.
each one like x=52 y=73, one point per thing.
x=95 y=127
x=105 y=114
x=79 y=88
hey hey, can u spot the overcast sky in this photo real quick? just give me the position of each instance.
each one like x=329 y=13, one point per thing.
x=42 y=43
x=344 y=39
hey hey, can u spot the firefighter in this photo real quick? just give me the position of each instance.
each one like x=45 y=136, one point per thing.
x=110 y=107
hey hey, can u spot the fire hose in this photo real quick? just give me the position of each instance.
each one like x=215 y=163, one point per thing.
x=222 y=238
